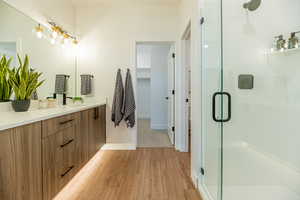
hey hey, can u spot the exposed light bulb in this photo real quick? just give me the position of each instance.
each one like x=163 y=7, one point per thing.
x=62 y=43
x=54 y=34
x=66 y=40
x=75 y=42
x=39 y=31
x=39 y=35
x=282 y=49
x=205 y=46
x=53 y=41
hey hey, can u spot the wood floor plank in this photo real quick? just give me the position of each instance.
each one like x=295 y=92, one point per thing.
x=144 y=174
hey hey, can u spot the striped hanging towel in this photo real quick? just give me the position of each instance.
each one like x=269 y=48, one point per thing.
x=129 y=102
x=117 y=114
x=61 y=83
x=86 y=84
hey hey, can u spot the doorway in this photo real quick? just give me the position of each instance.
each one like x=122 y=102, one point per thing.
x=155 y=101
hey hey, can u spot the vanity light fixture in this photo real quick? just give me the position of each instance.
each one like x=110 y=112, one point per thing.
x=56 y=34
x=39 y=31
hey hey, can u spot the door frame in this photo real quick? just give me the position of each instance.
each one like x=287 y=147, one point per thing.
x=173 y=45
x=185 y=118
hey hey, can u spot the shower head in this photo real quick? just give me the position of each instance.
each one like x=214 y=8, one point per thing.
x=252 y=5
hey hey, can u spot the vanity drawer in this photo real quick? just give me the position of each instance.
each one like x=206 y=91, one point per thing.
x=59 y=161
x=52 y=126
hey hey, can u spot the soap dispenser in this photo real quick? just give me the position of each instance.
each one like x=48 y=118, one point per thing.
x=280 y=43
x=293 y=41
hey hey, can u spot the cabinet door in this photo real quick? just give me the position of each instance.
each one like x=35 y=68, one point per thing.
x=20 y=163
x=93 y=129
x=97 y=132
x=82 y=135
x=101 y=135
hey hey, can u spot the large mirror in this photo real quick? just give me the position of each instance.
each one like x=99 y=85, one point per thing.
x=17 y=37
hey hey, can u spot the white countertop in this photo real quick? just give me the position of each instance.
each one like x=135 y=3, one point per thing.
x=12 y=119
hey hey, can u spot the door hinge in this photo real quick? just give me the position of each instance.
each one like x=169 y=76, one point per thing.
x=186 y=100
x=173 y=55
x=173 y=128
x=202 y=171
x=173 y=92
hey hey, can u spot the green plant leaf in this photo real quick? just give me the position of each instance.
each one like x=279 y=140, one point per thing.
x=24 y=80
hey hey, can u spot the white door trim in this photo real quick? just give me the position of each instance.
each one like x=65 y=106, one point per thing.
x=184 y=93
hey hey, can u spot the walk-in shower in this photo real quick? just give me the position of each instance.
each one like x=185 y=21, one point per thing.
x=255 y=155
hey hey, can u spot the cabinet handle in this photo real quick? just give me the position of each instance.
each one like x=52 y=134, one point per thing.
x=70 y=168
x=63 y=145
x=65 y=122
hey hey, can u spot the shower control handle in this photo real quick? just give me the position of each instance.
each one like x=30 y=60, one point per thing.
x=214 y=107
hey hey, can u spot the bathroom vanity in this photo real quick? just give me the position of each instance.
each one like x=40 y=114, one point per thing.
x=41 y=150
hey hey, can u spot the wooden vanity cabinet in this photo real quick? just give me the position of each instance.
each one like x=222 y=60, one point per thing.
x=97 y=129
x=20 y=163
x=39 y=159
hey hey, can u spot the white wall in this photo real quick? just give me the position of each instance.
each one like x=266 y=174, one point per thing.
x=109 y=35
x=190 y=13
x=159 y=86
x=61 y=12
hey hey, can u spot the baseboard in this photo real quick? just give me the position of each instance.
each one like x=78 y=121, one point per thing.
x=194 y=178
x=113 y=146
x=204 y=194
x=159 y=126
x=197 y=183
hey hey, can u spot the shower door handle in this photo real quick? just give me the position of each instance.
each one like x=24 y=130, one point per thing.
x=214 y=107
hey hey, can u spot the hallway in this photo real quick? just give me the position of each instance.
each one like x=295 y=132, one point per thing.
x=151 y=138
x=144 y=174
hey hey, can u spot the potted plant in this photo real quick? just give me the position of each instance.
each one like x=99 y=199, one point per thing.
x=5 y=86
x=24 y=82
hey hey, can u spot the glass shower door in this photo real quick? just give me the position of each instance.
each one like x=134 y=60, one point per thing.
x=262 y=141
x=211 y=83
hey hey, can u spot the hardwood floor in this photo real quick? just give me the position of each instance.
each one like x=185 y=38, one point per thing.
x=144 y=174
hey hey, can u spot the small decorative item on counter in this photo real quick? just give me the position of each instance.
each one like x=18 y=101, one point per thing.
x=24 y=82
x=293 y=41
x=78 y=100
x=280 y=43
x=51 y=103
